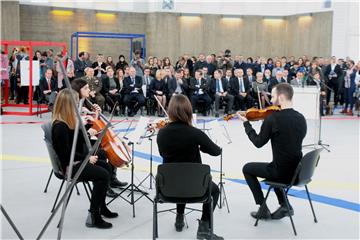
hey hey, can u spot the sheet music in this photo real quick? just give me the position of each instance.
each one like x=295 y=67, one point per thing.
x=140 y=130
x=217 y=133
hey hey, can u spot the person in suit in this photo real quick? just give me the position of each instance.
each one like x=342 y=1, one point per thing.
x=299 y=80
x=99 y=66
x=158 y=89
x=147 y=78
x=286 y=76
x=332 y=74
x=276 y=80
x=133 y=92
x=219 y=89
x=48 y=88
x=177 y=85
x=284 y=128
x=180 y=142
x=240 y=89
x=249 y=75
x=80 y=65
x=111 y=89
x=199 y=90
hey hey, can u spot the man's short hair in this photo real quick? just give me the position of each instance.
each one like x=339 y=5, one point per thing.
x=285 y=89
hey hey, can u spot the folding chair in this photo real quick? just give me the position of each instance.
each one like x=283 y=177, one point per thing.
x=302 y=177
x=182 y=183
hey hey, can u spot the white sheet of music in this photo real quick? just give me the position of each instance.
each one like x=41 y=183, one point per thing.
x=140 y=130
x=217 y=133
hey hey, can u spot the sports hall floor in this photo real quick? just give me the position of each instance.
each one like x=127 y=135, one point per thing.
x=25 y=168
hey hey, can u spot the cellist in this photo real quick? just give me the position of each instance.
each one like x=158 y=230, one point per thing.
x=286 y=130
x=82 y=88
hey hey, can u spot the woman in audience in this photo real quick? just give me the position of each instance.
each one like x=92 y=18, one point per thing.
x=64 y=120
x=270 y=64
x=166 y=62
x=277 y=68
x=120 y=77
x=153 y=68
x=121 y=64
x=158 y=89
x=109 y=62
x=261 y=89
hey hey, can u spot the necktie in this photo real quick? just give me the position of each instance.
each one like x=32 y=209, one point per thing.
x=49 y=85
x=217 y=85
x=241 y=85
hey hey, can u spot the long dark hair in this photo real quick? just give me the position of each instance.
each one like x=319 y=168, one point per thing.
x=180 y=109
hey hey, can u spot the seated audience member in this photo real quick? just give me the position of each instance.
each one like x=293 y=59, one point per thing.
x=299 y=81
x=177 y=85
x=120 y=76
x=240 y=89
x=97 y=171
x=121 y=64
x=286 y=76
x=228 y=75
x=48 y=88
x=111 y=89
x=219 y=91
x=206 y=75
x=134 y=98
x=277 y=68
x=267 y=76
x=199 y=91
x=99 y=66
x=147 y=78
x=260 y=91
x=157 y=89
x=95 y=85
x=249 y=75
x=276 y=80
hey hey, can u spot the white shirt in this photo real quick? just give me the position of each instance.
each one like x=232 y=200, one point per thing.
x=241 y=85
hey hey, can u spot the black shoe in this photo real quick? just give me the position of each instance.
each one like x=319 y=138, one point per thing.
x=179 y=222
x=204 y=232
x=282 y=211
x=265 y=214
x=117 y=184
x=104 y=211
x=110 y=193
x=95 y=220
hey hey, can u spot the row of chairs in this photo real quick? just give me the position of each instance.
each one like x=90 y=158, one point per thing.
x=172 y=187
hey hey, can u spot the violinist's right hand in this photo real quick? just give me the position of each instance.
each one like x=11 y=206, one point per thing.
x=92 y=132
x=93 y=159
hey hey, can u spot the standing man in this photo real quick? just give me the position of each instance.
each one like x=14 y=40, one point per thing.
x=286 y=130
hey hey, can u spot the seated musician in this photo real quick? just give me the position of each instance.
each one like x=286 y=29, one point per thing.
x=64 y=120
x=240 y=89
x=134 y=98
x=286 y=129
x=219 y=91
x=199 y=89
x=82 y=88
x=48 y=88
x=178 y=142
x=111 y=89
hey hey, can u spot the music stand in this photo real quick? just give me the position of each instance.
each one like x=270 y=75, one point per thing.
x=135 y=137
x=12 y=224
x=150 y=175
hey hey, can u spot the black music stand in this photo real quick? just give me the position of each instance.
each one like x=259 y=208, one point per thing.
x=150 y=175
x=222 y=194
x=11 y=222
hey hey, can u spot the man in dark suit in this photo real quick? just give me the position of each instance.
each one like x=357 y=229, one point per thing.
x=111 y=89
x=332 y=74
x=240 y=89
x=80 y=65
x=276 y=80
x=219 y=90
x=199 y=90
x=48 y=88
x=134 y=98
x=177 y=85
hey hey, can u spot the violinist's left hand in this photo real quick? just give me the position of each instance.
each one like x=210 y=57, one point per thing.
x=242 y=116
x=92 y=132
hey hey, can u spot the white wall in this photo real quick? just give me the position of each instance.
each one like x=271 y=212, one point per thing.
x=345 y=35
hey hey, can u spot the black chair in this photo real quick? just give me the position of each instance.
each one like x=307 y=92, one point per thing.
x=302 y=177
x=182 y=183
x=56 y=165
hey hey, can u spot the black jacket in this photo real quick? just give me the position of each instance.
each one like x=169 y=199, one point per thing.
x=225 y=86
x=106 y=85
x=179 y=142
x=193 y=89
x=273 y=82
x=235 y=87
x=127 y=85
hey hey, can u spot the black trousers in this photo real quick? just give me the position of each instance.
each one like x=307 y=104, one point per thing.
x=180 y=208
x=134 y=101
x=111 y=99
x=99 y=174
x=334 y=85
x=243 y=103
x=254 y=170
x=203 y=97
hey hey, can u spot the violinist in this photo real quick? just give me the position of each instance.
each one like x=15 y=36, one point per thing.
x=82 y=88
x=178 y=142
x=286 y=130
x=64 y=120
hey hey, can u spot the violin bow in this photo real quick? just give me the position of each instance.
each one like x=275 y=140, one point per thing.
x=257 y=87
x=162 y=107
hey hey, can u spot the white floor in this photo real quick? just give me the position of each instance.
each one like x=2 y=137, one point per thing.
x=25 y=168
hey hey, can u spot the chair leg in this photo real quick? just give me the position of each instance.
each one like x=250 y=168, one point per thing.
x=48 y=181
x=312 y=208
x=89 y=186
x=86 y=190
x=211 y=219
x=67 y=202
x=58 y=194
x=262 y=206
x=155 y=223
x=288 y=208
x=77 y=190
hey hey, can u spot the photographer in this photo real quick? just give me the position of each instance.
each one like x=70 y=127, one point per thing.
x=138 y=63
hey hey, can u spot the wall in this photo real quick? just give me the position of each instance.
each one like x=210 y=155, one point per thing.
x=170 y=34
x=10 y=21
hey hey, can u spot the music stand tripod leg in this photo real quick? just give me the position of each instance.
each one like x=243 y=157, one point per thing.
x=222 y=194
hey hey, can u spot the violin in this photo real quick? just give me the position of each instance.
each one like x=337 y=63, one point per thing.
x=158 y=124
x=117 y=151
x=254 y=114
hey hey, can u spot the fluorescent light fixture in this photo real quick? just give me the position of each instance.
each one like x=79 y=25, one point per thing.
x=61 y=12
x=105 y=15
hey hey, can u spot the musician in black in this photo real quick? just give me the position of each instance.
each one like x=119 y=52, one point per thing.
x=178 y=142
x=286 y=130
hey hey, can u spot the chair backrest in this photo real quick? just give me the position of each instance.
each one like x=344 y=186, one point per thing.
x=306 y=167
x=183 y=180
x=55 y=161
